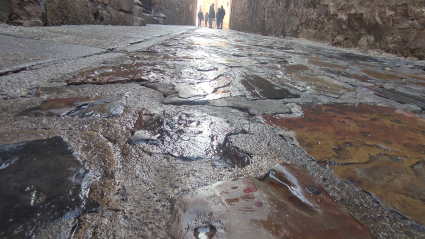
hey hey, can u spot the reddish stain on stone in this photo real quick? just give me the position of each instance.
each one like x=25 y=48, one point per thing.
x=251 y=188
x=373 y=147
x=258 y=204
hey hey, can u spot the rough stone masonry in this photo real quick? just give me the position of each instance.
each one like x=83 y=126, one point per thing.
x=397 y=27
x=105 y=12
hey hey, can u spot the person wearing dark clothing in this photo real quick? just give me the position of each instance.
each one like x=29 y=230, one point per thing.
x=211 y=14
x=206 y=19
x=220 y=15
x=200 y=17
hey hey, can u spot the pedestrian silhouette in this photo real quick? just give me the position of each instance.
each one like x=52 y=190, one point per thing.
x=200 y=17
x=211 y=14
x=220 y=15
x=206 y=19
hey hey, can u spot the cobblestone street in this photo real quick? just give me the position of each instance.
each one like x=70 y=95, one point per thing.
x=186 y=132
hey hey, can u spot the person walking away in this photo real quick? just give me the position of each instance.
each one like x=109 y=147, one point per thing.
x=206 y=19
x=216 y=17
x=200 y=17
x=221 y=13
x=211 y=14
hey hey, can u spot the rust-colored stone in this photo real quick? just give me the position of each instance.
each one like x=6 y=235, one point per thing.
x=380 y=149
x=279 y=207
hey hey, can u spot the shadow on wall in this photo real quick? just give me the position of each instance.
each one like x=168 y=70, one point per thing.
x=395 y=27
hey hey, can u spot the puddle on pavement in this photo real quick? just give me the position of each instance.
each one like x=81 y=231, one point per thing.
x=325 y=64
x=41 y=182
x=287 y=202
x=100 y=107
x=189 y=137
x=137 y=72
x=400 y=97
x=381 y=76
x=374 y=147
x=314 y=85
x=259 y=88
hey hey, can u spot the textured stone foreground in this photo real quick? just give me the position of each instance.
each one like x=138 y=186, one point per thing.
x=184 y=132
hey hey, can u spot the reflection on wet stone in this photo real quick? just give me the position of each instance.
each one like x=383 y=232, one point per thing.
x=41 y=181
x=118 y=74
x=99 y=107
x=260 y=88
x=373 y=147
x=189 y=137
x=274 y=207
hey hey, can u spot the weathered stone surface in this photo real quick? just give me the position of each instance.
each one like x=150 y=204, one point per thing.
x=393 y=26
x=287 y=203
x=41 y=182
x=254 y=107
x=138 y=21
x=99 y=107
x=18 y=12
x=68 y=12
x=380 y=149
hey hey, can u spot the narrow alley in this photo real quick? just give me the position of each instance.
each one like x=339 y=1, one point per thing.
x=188 y=132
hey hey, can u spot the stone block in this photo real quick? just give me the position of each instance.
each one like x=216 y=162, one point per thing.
x=20 y=10
x=138 y=21
x=124 y=5
x=69 y=12
x=137 y=11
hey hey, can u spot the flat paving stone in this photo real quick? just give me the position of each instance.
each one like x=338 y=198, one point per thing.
x=380 y=149
x=42 y=182
x=286 y=203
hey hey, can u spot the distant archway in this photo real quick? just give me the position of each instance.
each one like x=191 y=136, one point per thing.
x=205 y=6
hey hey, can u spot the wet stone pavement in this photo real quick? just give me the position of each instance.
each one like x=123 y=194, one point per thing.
x=215 y=134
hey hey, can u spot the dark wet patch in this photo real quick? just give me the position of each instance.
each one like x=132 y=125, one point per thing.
x=41 y=181
x=372 y=146
x=136 y=72
x=271 y=207
x=325 y=64
x=99 y=107
x=205 y=232
x=381 y=76
x=230 y=157
x=400 y=97
x=259 y=88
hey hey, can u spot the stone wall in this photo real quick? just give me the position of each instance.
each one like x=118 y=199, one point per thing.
x=394 y=26
x=107 y=12
x=175 y=12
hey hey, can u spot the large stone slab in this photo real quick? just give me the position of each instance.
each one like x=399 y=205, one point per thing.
x=41 y=182
x=380 y=149
x=287 y=203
